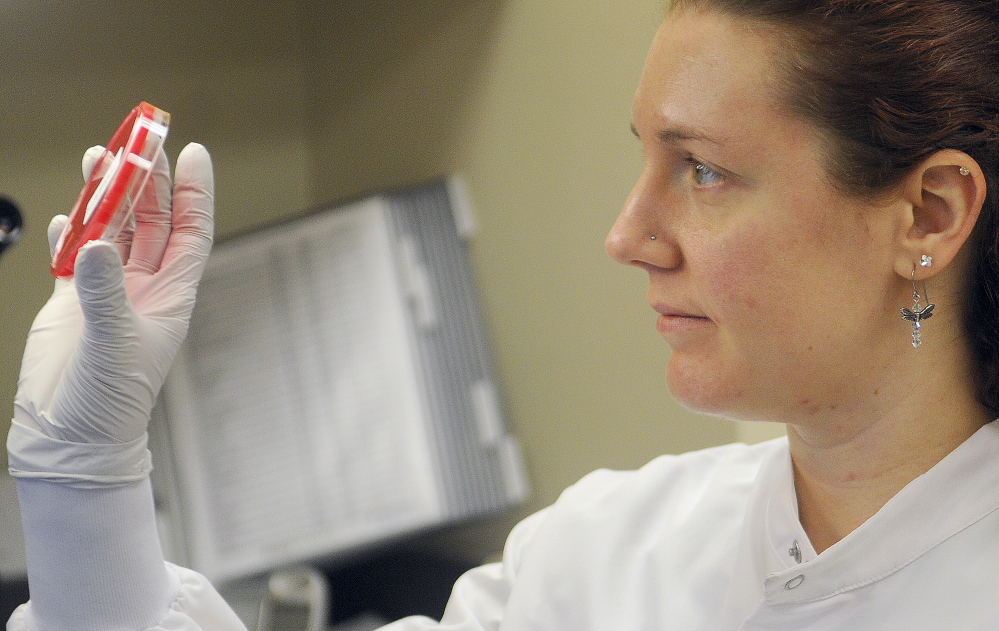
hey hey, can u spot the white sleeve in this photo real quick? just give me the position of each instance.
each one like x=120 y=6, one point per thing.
x=479 y=598
x=196 y=607
x=94 y=562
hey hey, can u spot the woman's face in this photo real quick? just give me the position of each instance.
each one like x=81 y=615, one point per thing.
x=775 y=291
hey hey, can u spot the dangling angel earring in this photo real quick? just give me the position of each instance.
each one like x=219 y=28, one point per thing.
x=918 y=313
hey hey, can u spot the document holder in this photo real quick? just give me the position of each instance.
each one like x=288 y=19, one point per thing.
x=335 y=390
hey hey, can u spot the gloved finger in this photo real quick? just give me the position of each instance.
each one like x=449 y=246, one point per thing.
x=152 y=219
x=125 y=237
x=102 y=391
x=193 y=214
x=55 y=229
x=100 y=286
x=90 y=159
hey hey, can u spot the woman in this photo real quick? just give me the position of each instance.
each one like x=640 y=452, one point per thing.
x=812 y=170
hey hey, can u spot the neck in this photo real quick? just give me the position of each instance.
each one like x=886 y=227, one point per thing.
x=846 y=469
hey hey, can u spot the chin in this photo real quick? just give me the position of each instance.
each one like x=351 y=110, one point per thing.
x=706 y=391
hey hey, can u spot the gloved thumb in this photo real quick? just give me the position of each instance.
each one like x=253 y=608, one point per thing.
x=100 y=285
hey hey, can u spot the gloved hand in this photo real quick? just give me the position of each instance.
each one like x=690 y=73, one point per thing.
x=99 y=350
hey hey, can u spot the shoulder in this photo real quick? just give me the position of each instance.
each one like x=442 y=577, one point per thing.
x=722 y=474
x=674 y=524
x=682 y=494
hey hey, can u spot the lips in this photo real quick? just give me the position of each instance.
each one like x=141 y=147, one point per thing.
x=675 y=321
x=670 y=311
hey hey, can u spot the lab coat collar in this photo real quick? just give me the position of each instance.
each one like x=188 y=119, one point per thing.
x=959 y=491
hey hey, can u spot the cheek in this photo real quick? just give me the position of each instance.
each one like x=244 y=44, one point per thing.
x=760 y=292
x=736 y=274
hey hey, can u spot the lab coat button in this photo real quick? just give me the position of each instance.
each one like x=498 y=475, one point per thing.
x=795 y=552
x=794 y=582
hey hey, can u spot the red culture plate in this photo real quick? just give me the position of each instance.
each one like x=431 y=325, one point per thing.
x=104 y=206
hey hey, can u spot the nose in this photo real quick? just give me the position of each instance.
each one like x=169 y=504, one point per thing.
x=641 y=235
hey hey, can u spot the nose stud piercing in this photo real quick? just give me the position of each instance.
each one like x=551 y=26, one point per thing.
x=652 y=238
x=918 y=313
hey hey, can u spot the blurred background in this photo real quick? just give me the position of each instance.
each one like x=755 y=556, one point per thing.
x=303 y=103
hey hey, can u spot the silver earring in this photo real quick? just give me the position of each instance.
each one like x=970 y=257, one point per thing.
x=652 y=238
x=918 y=313
x=964 y=171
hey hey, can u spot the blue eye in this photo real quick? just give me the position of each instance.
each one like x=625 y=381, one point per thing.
x=705 y=175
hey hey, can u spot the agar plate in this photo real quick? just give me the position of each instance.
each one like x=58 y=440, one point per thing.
x=104 y=206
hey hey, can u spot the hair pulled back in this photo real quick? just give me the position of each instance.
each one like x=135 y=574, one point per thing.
x=890 y=82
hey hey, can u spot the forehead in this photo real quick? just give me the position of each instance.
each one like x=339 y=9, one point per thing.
x=704 y=66
x=716 y=79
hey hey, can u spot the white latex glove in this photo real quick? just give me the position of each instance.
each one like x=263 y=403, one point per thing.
x=99 y=350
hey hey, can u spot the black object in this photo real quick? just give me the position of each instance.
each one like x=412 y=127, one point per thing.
x=394 y=584
x=12 y=594
x=11 y=223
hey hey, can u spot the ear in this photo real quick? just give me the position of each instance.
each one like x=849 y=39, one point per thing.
x=944 y=196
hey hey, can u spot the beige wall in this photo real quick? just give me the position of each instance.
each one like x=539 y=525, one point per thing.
x=303 y=103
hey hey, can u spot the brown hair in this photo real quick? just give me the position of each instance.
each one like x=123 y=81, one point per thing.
x=889 y=82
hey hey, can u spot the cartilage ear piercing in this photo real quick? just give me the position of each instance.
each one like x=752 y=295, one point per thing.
x=918 y=313
x=652 y=238
x=964 y=171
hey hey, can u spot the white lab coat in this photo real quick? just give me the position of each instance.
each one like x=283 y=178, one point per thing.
x=711 y=540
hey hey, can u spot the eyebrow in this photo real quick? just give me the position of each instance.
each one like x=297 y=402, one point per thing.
x=678 y=134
